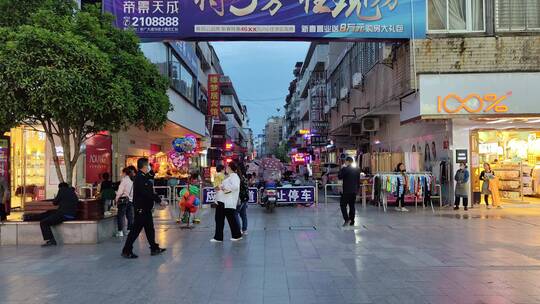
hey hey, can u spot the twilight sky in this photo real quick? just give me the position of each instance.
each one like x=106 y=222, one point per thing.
x=261 y=73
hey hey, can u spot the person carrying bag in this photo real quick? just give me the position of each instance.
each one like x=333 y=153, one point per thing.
x=124 y=201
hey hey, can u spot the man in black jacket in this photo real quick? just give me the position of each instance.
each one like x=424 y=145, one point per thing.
x=351 y=183
x=67 y=201
x=144 y=199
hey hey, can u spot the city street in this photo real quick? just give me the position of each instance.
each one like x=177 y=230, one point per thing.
x=298 y=255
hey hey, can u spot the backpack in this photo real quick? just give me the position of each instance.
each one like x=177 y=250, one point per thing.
x=244 y=190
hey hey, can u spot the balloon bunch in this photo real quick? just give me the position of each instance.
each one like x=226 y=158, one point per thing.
x=177 y=159
x=186 y=144
x=189 y=200
x=183 y=149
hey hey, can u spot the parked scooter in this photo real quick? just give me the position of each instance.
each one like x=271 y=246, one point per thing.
x=269 y=196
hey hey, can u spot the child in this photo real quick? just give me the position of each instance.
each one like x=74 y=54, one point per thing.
x=189 y=199
x=218 y=180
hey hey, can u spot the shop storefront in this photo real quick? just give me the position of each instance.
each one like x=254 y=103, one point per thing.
x=490 y=118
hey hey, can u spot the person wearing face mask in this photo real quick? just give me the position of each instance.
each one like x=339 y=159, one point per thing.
x=144 y=199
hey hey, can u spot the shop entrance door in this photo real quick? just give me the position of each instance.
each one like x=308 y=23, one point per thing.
x=27 y=166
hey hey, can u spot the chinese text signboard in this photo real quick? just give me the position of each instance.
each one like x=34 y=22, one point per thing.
x=284 y=194
x=214 y=95
x=277 y=19
x=209 y=195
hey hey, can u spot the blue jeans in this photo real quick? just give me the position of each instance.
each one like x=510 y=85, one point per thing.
x=125 y=210
x=241 y=213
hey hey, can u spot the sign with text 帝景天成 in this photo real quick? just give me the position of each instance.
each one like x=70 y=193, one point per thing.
x=271 y=19
x=444 y=95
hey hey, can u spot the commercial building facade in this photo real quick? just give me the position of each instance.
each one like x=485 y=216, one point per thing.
x=445 y=94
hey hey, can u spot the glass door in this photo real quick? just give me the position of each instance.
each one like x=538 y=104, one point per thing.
x=28 y=166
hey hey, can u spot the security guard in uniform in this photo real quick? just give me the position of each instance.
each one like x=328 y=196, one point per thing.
x=144 y=199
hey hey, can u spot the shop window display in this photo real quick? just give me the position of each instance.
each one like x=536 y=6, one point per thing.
x=27 y=166
x=515 y=158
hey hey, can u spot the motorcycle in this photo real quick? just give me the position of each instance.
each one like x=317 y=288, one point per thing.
x=269 y=196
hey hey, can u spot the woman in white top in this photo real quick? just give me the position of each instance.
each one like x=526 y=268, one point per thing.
x=227 y=208
x=124 y=201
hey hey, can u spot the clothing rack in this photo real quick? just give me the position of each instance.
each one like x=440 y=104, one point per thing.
x=384 y=192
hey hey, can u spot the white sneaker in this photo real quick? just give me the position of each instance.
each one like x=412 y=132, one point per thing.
x=236 y=240
x=245 y=233
x=120 y=234
x=398 y=209
x=403 y=209
x=499 y=207
x=488 y=207
x=215 y=241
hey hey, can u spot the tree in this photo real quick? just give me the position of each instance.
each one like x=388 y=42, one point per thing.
x=74 y=74
x=282 y=152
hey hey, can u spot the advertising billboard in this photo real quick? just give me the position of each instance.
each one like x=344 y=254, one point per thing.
x=271 y=19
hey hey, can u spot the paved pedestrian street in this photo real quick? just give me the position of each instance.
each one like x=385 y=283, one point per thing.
x=298 y=255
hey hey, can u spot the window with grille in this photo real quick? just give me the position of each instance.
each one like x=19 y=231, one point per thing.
x=517 y=15
x=456 y=15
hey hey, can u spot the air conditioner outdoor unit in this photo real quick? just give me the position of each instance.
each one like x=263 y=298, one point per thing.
x=386 y=53
x=326 y=109
x=333 y=102
x=357 y=80
x=370 y=124
x=343 y=93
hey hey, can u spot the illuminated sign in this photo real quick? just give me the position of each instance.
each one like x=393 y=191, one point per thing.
x=472 y=103
x=229 y=146
x=214 y=95
x=304 y=132
x=476 y=94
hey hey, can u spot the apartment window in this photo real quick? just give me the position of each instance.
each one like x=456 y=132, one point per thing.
x=181 y=79
x=456 y=15
x=517 y=15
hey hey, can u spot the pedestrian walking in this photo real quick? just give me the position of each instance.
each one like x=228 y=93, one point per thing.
x=124 y=201
x=351 y=183
x=401 y=187
x=227 y=208
x=486 y=175
x=461 y=178
x=241 y=209
x=66 y=200
x=144 y=199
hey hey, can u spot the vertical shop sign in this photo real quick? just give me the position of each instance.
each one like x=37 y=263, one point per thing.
x=214 y=95
x=98 y=157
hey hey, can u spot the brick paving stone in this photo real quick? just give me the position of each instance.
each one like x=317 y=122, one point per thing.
x=456 y=258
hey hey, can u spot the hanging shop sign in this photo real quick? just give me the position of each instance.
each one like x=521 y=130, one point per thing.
x=319 y=141
x=98 y=157
x=214 y=95
x=320 y=127
x=462 y=156
x=276 y=19
x=484 y=94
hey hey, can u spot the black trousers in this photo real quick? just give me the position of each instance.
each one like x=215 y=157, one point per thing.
x=143 y=219
x=221 y=214
x=348 y=199
x=47 y=220
x=401 y=201
x=465 y=201
x=486 y=199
